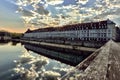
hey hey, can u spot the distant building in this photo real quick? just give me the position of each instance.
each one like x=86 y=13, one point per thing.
x=93 y=31
x=4 y=35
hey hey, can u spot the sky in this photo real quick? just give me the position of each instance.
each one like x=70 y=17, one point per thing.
x=19 y=15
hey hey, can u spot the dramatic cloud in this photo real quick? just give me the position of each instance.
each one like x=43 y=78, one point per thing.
x=45 y=13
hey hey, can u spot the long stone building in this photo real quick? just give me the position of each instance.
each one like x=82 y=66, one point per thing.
x=93 y=31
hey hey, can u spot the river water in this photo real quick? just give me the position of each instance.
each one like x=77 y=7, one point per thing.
x=17 y=63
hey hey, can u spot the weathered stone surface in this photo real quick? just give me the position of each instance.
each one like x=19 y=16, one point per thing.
x=103 y=64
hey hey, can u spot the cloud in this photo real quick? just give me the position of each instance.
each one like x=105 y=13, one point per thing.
x=83 y=2
x=41 y=10
x=45 y=13
x=27 y=2
x=26 y=13
x=54 y=2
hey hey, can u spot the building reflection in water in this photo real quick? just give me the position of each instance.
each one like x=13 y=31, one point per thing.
x=65 y=56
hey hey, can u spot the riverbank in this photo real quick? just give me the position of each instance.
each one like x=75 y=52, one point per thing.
x=103 y=64
x=63 y=46
x=65 y=53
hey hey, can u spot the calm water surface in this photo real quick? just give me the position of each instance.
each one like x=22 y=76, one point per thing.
x=16 y=63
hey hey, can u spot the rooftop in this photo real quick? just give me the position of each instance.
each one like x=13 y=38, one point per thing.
x=73 y=26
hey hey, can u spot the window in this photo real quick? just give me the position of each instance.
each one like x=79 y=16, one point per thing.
x=104 y=34
x=109 y=30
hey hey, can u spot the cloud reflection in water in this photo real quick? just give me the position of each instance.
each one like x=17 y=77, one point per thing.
x=31 y=67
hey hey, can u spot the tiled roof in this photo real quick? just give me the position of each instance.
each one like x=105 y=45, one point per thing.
x=89 y=25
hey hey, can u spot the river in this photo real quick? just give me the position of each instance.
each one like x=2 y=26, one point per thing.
x=17 y=62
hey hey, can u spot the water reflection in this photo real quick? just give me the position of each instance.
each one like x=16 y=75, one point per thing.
x=70 y=57
x=3 y=42
x=7 y=54
x=19 y=62
x=14 y=43
x=31 y=67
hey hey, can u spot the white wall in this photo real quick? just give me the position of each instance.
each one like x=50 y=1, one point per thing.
x=108 y=33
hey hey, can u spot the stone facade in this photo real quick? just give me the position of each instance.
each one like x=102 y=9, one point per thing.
x=94 y=31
